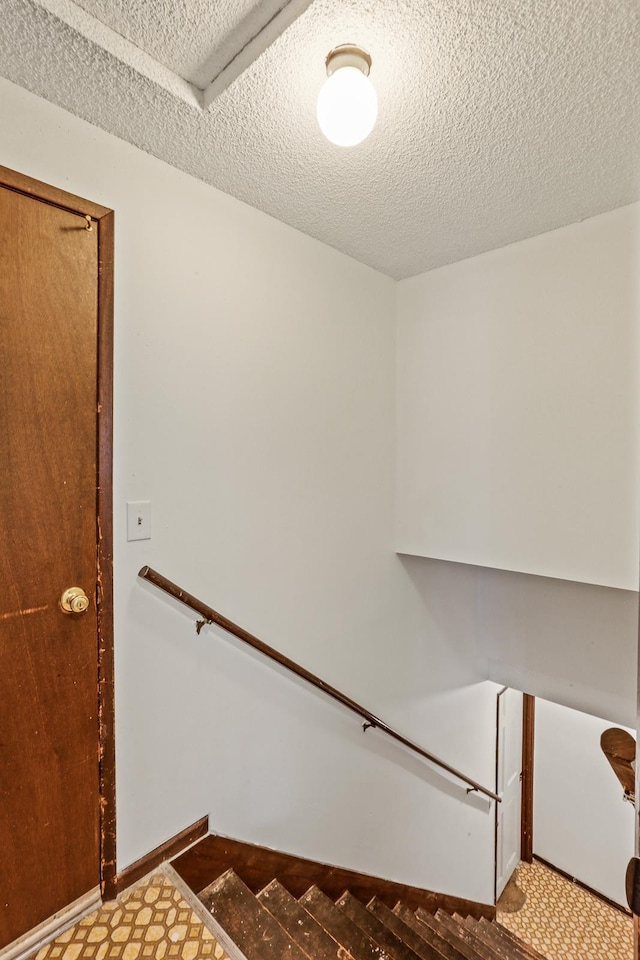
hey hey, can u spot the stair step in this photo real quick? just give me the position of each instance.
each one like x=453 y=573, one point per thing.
x=375 y=928
x=526 y=948
x=402 y=930
x=252 y=928
x=341 y=928
x=439 y=943
x=451 y=936
x=275 y=926
x=501 y=947
x=299 y=924
x=458 y=928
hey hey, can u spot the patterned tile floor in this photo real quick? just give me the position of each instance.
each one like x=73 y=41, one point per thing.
x=563 y=922
x=151 y=921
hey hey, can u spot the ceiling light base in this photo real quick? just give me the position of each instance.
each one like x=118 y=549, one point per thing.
x=348 y=55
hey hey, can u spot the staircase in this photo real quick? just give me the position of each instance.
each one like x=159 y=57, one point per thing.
x=274 y=925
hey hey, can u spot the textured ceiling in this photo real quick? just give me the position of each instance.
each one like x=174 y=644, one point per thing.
x=498 y=119
x=194 y=38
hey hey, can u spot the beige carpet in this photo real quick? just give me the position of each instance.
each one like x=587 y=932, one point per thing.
x=564 y=922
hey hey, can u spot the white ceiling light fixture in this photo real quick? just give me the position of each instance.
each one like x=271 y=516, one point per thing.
x=347 y=103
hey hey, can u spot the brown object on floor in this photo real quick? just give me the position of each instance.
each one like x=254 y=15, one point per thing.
x=619 y=747
x=632 y=885
x=512 y=897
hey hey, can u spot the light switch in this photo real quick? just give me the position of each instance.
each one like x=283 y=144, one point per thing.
x=138 y=519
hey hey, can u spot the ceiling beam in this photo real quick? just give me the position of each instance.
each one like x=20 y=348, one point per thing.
x=265 y=35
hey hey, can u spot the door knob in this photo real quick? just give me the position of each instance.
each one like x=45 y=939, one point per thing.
x=74 y=600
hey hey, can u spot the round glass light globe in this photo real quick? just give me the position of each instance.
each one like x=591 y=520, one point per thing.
x=347 y=107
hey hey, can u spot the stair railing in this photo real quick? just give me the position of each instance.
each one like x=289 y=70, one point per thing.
x=211 y=616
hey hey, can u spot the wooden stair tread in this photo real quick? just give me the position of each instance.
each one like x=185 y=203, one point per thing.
x=451 y=936
x=252 y=928
x=402 y=930
x=530 y=952
x=440 y=944
x=299 y=924
x=375 y=928
x=340 y=927
x=458 y=928
x=502 y=948
x=273 y=925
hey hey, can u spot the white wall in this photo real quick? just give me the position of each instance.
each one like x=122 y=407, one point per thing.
x=580 y=821
x=573 y=643
x=518 y=411
x=254 y=405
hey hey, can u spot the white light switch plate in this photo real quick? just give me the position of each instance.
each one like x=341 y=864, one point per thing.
x=138 y=519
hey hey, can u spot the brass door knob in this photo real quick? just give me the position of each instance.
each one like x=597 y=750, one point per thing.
x=74 y=600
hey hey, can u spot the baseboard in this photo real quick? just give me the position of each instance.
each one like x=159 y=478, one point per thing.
x=170 y=848
x=257 y=866
x=28 y=944
x=579 y=883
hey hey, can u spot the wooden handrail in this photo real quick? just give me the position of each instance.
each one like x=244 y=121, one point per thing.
x=370 y=720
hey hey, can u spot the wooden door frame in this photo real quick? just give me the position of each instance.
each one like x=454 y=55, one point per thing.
x=102 y=219
x=528 y=738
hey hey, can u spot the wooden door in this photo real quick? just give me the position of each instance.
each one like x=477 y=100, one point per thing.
x=51 y=662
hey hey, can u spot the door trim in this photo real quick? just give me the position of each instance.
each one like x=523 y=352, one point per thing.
x=106 y=697
x=103 y=220
x=528 y=738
